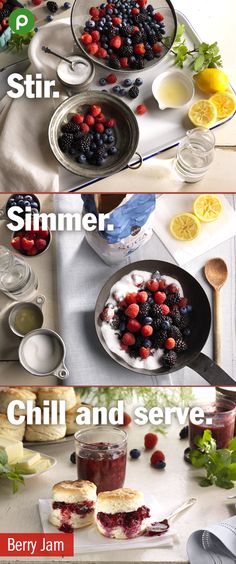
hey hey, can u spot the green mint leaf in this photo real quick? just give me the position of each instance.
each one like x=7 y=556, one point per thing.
x=232 y=444
x=232 y=471
x=198 y=63
x=179 y=33
x=3 y=457
x=224 y=483
x=205 y=482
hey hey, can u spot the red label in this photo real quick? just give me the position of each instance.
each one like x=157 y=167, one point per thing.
x=36 y=544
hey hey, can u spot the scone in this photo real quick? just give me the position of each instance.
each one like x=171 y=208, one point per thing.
x=9 y=430
x=121 y=514
x=44 y=432
x=10 y=394
x=59 y=393
x=73 y=505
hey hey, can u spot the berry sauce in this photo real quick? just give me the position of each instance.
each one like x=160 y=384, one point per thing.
x=105 y=466
x=157 y=529
x=67 y=509
x=222 y=426
x=130 y=522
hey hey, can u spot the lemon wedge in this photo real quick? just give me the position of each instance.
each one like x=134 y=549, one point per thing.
x=203 y=113
x=225 y=104
x=207 y=207
x=185 y=226
x=212 y=80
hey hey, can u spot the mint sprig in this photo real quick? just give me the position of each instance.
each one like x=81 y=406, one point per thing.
x=219 y=464
x=9 y=472
x=204 y=56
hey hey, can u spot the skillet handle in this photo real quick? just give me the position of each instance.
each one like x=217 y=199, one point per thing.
x=210 y=371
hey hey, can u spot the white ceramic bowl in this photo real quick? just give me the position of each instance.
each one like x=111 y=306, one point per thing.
x=178 y=76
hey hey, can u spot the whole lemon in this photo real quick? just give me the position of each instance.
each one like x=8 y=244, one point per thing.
x=212 y=80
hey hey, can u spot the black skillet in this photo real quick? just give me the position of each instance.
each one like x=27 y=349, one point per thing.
x=200 y=323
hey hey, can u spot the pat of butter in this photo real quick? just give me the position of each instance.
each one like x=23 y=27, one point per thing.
x=13 y=449
x=30 y=458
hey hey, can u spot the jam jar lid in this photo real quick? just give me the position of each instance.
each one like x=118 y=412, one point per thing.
x=82 y=74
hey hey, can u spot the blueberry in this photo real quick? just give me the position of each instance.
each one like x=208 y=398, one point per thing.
x=93 y=146
x=21 y=203
x=135 y=453
x=72 y=151
x=165 y=325
x=104 y=137
x=183 y=434
x=189 y=308
x=116 y=89
x=34 y=205
x=36 y=29
x=90 y=154
x=127 y=83
x=150 y=300
x=102 y=82
x=122 y=326
x=160 y=465
x=147 y=320
x=67 y=5
x=97 y=136
x=186 y=332
x=100 y=162
x=113 y=151
x=109 y=131
x=138 y=81
x=90 y=24
x=28 y=198
x=49 y=18
x=110 y=139
x=82 y=159
x=128 y=41
x=99 y=143
x=147 y=343
x=73 y=458
x=122 y=92
x=11 y=201
x=183 y=310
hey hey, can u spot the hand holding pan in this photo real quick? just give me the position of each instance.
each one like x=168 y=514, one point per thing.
x=200 y=326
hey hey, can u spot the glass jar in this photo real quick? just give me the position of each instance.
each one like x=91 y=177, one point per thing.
x=17 y=279
x=101 y=454
x=227 y=393
x=195 y=154
x=222 y=412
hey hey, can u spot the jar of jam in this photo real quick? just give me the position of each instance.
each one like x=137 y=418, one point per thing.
x=101 y=454
x=227 y=393
x=222 y=413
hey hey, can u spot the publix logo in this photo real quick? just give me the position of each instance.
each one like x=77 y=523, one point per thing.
x=21 y=21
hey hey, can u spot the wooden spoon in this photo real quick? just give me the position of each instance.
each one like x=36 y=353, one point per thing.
x=216 y=273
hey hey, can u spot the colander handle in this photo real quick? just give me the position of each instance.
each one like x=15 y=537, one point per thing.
x=137 y=164
x=210 y=371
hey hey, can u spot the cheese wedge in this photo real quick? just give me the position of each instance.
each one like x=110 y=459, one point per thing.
x=30 y=458
x=13 y=449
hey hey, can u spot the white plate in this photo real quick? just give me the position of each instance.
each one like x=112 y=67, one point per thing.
x=88 y=539
x=67 y=439
x=53 y=462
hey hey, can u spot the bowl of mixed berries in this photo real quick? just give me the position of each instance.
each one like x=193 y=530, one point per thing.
x=125 y=35
x=31 y=243
x=6 y=8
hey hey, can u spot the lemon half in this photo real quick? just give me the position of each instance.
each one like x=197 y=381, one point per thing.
x=203 y=113
x=207 y=207
x=225 y=104
x=185 y=226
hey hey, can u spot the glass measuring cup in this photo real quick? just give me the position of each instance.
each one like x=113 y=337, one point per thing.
x=17 y=279
x=195 y=154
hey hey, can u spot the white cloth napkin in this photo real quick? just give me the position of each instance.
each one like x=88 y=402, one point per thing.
x=212 y=234
x=214 y=545
x=26 y=160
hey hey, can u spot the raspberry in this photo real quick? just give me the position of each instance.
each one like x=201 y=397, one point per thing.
x=132 y=311
x=101 y=53
x=78 y=118
x=141 y=109
x=142 y=297
x=40 y=244
x=156 y=48
x=32 y=252
x=128 y=339
x=135 y=12
x=135 y=29
x=170 y=344
x=27 y=244
x=139 y=49
x=133 y=325
x=131 y=298
x=158 y=17
x=144 y=352
x=159 y=297
x=162 y=284
x=142 y=3
x=147 y=330
x=150 y=440
x=36 y=2
x=165 y=309
x=107 y=314
x=95 y=36
x=183 y=302
x=124 y=61
x=172 y=288
x=152 y=285
x=89 y=120
x=16 y=243
x=43 y=233
x=92 y=49
x=100 y=119
x=110 y=122
x=115 y=42
x=95 y=110
x=156 y=456
x=86 y=38
x=116 y=21
x=127 y=419
x=84 y=128
x=111 y=79
x=99 y=128
x=94 y=12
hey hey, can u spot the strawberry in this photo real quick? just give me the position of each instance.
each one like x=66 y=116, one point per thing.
x=111 y=78
x=27 y=244
x=156 y=48
x=132 y=311
x=142 y=297
x=16 y=243
x=128 y=339
x=101 y=53
x=99 y=128
x=141 y=109
x=139 y=49
x=170 y=344
x=150 y=440
x=95 y=110
x=89 y=120
x=78 y=118
x=115 y=42
x=156 y=457
x=147 y=330
x=160 y=297
x=95 y=36
x=94 y=12
x=131 y=298
x=133 y=325
x=86 y=38
x=144 y=352
x=152 y=285
x=110 y=122
x=92 y=49
x=124 y=61
x=165 y=309
x=40 y=244
x=158 y=17
x=84 y=128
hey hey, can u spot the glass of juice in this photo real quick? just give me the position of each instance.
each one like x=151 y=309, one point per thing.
x=222 y=412
x=101 y=454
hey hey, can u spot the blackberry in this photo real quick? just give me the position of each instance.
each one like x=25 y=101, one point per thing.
x=144 y=309
x=101 y=152
x=134 y=91
x=140 y=64
x=84 y=143
x=134 y=352
x=175 y=316
x=111 y=32
x=52 y=7
x=180 y=346
x=142 y=18
x=160 y=339
x=137 y=38
x=5 y=12
x=172 y=299
x=156 y=324
x=65 y=142
x=115 y=63
x=183 y=434
x=169 y=359
x=157 y=312
x=70 y=127
x=184 y=321
x=115 y=322
x=126 y=51
x=175 y=333
x=126 y=30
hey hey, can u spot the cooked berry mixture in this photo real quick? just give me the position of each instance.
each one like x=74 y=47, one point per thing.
x=89 y=137
x=79 y=508
x=127 y=34
x=153 y=318
x=130 y=521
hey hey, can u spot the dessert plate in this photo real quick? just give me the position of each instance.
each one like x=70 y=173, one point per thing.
x=51 y=459
x=201 y=322
x=67 y=439
x=88 y=539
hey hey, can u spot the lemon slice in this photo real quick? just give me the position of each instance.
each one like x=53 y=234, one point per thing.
x=207 y=207
x=225 y=104
x=203 y=113
x=185 y=226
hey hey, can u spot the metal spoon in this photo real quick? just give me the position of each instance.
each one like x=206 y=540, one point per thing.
x=216 y=273
x=72 y=64
x=159 y=528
